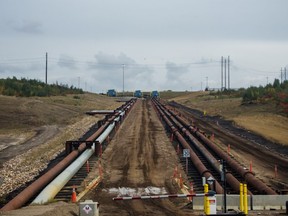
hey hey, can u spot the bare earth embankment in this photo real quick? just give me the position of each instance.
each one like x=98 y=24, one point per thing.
x=34 y=130
x=263 y=119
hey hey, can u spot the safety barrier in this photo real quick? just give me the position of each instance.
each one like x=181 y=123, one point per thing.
x=209 y=199
x=255 y=202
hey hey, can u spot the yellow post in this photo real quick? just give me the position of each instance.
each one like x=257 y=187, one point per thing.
x=245 y=200
x=206 y=201
x=241 y=198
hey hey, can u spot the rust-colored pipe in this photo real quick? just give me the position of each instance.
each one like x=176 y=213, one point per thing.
x=231 y=180
x=23 y=197
x=195 y=160
x=247 y=175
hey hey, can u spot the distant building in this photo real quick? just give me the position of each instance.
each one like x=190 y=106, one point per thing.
x=111 y=93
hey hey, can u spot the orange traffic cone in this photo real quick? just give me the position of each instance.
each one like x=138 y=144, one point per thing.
x=191 y=191
x=175 y=172
x=74 y=196
x=180 y=181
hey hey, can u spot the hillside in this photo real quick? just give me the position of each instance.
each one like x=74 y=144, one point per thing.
x=264 y=119
x=34 y=130
x=22 y=118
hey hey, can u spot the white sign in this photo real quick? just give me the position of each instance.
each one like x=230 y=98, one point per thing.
x=87 y=209
x=186 y=153
x=210 y=180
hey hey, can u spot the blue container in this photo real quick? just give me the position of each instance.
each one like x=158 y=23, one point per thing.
x=111 y=93
x=138 y=94
x=155 y=94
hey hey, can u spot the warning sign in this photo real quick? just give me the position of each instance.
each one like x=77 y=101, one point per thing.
x=186 y=153
x=87 y=209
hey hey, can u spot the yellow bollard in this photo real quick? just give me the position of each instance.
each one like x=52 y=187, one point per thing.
x=241 y=198
x=205 y=198
x=206 y=201
x=245 y=200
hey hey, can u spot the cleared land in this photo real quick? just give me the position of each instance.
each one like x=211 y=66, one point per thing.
x=140 y=157
x=34 y=130
x=262 y=119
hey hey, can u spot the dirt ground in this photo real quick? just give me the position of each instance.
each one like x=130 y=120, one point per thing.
x=139 y=157
x=139 y=160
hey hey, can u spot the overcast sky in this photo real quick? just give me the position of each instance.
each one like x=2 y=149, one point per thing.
x=164 y=44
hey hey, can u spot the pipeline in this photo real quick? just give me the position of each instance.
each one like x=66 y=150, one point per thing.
x=51 y=190
x=232 y=181
x=246 y=174
x=22 y=198
x=195 y=160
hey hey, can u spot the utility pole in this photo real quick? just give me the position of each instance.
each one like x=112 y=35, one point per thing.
x=281 y=75
x=46 y=68
x=225 y=72
x=228 y=72
x=285 y=71
x=207 y=84
x=221 y=73
x=123 y=67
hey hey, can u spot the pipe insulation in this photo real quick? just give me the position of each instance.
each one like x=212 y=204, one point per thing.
x=51 y=190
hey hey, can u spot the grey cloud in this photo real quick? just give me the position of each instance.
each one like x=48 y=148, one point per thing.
x=110 y=68
x=29 y=27
x=174 y=71
x=66 y=61
x=106 y=61
x=24 y=70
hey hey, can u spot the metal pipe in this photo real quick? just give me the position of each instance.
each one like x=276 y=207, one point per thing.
x=246 y=174
x=232 y=181
x=194 y=158
x=34 y=188
x=23 y=197
x=51 y=190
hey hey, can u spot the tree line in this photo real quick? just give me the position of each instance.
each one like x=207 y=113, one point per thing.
x=27 y=88
x=277 y=92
